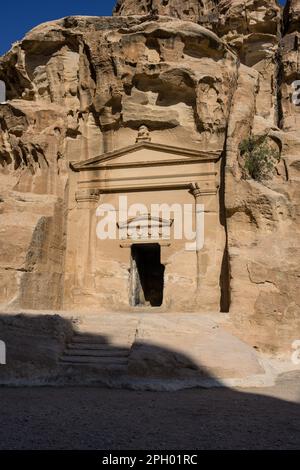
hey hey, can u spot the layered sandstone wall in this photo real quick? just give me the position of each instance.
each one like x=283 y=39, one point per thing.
x=233 y=17
x=80 y=87
x=263 y=219
x=203 y=75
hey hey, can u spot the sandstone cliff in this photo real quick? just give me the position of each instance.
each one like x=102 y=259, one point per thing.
x=202 y=74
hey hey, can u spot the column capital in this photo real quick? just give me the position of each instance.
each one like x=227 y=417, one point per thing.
x=87 y=195
x=195 y=190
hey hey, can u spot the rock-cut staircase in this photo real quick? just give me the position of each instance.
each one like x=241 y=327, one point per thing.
x=189 y=349
x=101 y=341
x=87 y=350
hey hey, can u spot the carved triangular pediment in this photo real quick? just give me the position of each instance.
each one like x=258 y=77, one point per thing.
x=144 y=154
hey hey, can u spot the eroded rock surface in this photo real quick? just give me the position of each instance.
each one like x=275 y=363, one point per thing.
x=202 y=75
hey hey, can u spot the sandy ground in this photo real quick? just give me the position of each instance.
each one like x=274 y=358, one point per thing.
x=96 y=418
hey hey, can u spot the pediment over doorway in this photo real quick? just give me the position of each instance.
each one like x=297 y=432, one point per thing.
x=145 y=154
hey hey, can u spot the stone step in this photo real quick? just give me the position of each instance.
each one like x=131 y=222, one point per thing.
x=97 y=353
x=108 y=324
x=109 y=320
x=103 y=337
x=94 y=339
x=97 y=346
x=91 y=360
x=84 y=367
x=113 y=344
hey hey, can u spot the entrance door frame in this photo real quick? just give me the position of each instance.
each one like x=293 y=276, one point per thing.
x=139 y=285
x=163 y=259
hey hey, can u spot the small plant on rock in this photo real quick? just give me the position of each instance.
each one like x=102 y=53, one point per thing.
x=260 y=158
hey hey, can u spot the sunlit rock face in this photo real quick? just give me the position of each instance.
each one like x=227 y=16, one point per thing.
x=263 y=220
x=191 y=10
x=222 y=16
x=82 y=87
x=251 y=29
x=198 y=75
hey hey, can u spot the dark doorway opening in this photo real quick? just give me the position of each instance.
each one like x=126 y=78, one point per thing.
x=147 y=275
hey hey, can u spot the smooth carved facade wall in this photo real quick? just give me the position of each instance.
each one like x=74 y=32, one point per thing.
x=99 y=273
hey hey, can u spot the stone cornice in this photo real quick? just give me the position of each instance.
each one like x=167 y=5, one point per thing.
x=101 y=161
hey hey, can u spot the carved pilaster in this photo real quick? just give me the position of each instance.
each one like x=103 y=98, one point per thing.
x=87 y=196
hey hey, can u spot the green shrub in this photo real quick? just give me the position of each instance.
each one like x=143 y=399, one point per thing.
x=260 y=158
